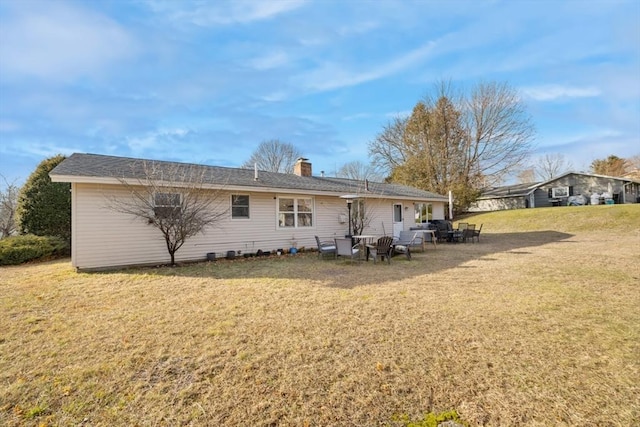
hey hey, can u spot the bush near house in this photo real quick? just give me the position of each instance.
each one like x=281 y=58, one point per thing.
x=20 y=249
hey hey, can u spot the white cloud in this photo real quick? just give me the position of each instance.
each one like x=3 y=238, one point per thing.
x=334 y=76
x=155 y=140
x=45 y=149
x=553 y=92
x=9 y=126
x=401 y=114
x=269 y=61
x=275 y=96
x=53 y=40
x=207 y=14
x=356 y=116
x=357 y=28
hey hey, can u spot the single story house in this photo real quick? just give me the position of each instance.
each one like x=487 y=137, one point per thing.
x=263 y=210
x=568 y=188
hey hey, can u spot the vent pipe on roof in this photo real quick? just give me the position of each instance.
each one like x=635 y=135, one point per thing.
x=366 y=185
x=255 y=171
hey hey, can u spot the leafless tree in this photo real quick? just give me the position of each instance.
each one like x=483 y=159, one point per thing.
x=388 y=150
x=526 y=175
x=457 y=142
x=633 y=167
x=550 y=166
x=359 y=171
x=274 y=156
x=499 y=129
x=172 y=198
x=633 y=162
x=8 y=207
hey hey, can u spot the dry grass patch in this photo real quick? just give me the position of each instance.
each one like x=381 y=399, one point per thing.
x=532 y=328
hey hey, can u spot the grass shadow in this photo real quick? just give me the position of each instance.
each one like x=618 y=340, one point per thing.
x=345 y=274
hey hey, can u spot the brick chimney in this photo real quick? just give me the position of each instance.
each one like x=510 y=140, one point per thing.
x=302 y=167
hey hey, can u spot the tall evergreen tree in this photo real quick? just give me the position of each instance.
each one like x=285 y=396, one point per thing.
x=612 y=166
x=44 y=207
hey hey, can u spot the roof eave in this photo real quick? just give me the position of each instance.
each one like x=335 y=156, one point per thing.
x=241 y=188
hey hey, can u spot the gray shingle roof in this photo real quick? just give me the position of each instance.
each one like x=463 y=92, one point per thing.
x=524 y=189
x=85 y=167
x=508 y=190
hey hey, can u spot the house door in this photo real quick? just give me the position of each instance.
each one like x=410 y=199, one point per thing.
x=398 y=224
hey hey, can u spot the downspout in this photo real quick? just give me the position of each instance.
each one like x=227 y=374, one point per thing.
x=74 y=227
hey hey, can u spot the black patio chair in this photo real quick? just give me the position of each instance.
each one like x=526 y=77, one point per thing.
x=383 y=249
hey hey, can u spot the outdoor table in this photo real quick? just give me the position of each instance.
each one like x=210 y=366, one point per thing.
x=424 y=233
x=363 y=240
x=454 y=235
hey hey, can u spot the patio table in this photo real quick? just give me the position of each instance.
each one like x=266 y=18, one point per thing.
x=424 y=233
x=454 y=236
x=363 y=240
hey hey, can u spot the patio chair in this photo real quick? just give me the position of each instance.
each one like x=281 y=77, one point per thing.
x=476 y=234
x=344 y=247
x=412 y=238
x=326 y=247
x=403 y=246
x=382 y=249
x=468 y=232
x=444 y=227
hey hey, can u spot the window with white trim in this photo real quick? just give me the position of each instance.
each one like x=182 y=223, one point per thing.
x=166 y=205
x=239 y=206
x=295 y=212
x=423 y=212
x=557 y=192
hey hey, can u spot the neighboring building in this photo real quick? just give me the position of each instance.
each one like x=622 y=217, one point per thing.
x=565 y=189
x=105 y=238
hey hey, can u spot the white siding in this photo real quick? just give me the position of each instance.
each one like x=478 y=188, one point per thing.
x=103 y=237
x=497 y=204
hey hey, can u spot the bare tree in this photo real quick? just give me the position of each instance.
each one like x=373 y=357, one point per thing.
x=359 y=171
x=550 y=166
x=633 y=162
x=457 y=142
x=359 y=216
x=274 y=156
x=633 y=167
x=8 y=207
x=526 y=175
x=389 y=150
x=172 y=198
x=499 y=130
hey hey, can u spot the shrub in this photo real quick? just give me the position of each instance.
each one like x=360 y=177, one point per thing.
x=19 y=249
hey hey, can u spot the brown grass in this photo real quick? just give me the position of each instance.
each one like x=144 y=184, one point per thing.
x=536 y=327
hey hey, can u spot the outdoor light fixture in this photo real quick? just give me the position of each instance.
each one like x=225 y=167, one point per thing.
x=349 y=202
x=349 y=198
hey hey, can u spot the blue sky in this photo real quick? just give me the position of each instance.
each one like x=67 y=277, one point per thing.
x=207 y=81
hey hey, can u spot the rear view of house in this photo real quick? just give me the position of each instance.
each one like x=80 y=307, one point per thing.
x=263 y=210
